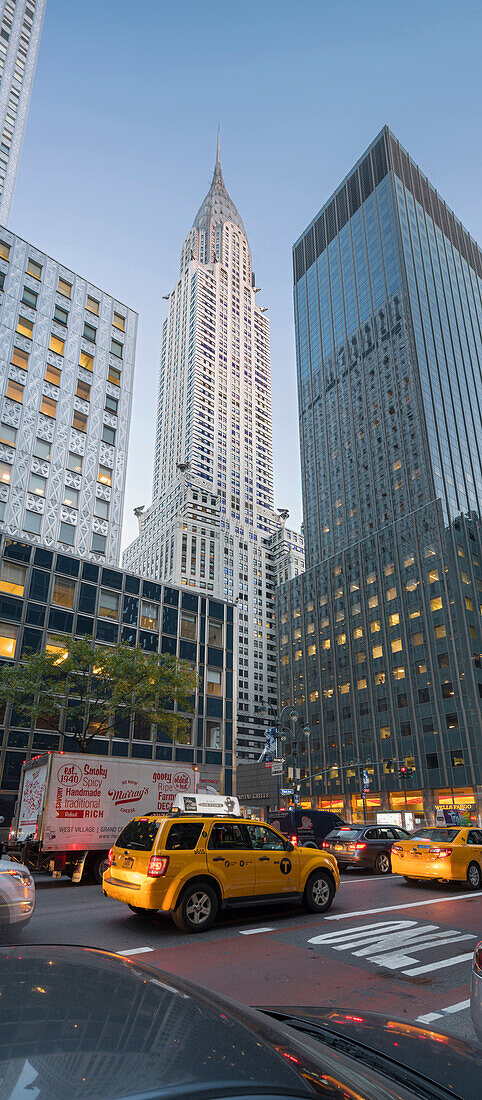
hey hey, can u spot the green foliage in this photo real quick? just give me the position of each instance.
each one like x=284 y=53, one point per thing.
x=98 y=687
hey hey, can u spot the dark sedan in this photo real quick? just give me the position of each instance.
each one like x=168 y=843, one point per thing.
x=77 y=1022
x=367 y=846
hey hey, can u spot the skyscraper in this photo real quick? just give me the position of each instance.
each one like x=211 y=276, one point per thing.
x=381 y=639
x=211 y=519
x=66 y=373
x=20 y=30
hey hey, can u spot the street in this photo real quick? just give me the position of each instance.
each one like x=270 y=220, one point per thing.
x=384 y=946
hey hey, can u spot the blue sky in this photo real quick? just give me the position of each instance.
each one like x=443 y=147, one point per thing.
x=120 y=148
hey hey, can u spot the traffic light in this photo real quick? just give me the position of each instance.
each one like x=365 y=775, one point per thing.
x=388 y=766
x=403 y=771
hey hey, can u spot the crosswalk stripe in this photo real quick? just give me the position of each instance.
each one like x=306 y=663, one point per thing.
x=253 y=931
x=430 y=1017
x=136 y=951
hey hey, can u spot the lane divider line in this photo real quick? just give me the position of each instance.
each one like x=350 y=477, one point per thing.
x=135 y=951
x=429 y=1017
x=254 y=931
x=407 y=905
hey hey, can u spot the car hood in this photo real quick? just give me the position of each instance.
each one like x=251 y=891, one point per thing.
x=451 y=1063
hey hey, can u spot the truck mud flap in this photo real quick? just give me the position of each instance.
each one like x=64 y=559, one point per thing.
x=79 y=867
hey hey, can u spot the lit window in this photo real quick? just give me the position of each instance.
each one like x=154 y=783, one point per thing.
x=389 y=569
x=56 y=344
x=326 y=644
x=71 y=497
x=433 y=575
x=359 y=658
x=37 y=485
x=358 y=632
x=4 y=250
x=394 y=618
x=379 y=678
x=53 y=375
x=311 y=650
x=436 y=603
x=313 y=696
x=440 y=631
x=8 y=640
x=74 y=463
x=465 y=577
x=64 y=288
x=391 y=594
x=25 y=327
x=344 y=689
x=213 y=681
x=35 y=269
x=298 y=655
x=468 y=603
x=399 y=673
x=354 y=586
x=373 y=601
x=67 y=533
x=12 y=578
x=384 y=732
x=55 y=648
x=371 y=578
x=417 y=639
x=48 y=407
x=341 y=639
x=377 y=651
x=114 y=376
x=83 y=390
x=20 y=359
x=411 y=586
x=79 y=421
x=119 y=321
x=104 y=475
x=8 y=435
x=396 y=645
x=86 y=361
x=14 y=391
x=414 y=614
x=108 y=604
x=5 y=473
x=408 y=561
x=92 y=305
x=64 y=592
x=361 y=684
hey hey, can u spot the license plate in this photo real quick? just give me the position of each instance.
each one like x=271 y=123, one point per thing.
x=128 y=862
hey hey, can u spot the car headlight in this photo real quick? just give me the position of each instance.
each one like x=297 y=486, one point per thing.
x=23 y=876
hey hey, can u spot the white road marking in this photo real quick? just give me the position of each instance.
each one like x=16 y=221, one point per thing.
x=135 y=951
x=431 y=1016
x=254 y=931
x=406 y=905
x=440 y=965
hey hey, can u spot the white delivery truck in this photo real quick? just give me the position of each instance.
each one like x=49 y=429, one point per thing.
x=71 y=807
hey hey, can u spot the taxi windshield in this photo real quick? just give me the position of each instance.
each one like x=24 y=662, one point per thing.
x=439 y=835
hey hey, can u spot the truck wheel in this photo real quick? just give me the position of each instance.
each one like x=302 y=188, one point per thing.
x=319 y=892
x=197 y=908
x=142 y=912
x=97 y=867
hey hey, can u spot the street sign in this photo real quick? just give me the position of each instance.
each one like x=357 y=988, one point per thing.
x=286 y=790
x=277 y=767
x=366 y=779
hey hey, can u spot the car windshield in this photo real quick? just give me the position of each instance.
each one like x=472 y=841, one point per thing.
x=438 y=835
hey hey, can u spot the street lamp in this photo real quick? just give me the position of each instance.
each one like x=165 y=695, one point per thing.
x=307 y=733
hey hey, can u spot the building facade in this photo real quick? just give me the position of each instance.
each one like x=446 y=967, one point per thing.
x=45 y=594
x=211 y=521
x=66 y=375
x=380 y=642
x=20 y=29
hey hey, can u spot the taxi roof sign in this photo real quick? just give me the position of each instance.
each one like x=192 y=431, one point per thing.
x=206 y=803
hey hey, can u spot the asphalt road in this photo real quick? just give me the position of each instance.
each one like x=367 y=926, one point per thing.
x=384 y=946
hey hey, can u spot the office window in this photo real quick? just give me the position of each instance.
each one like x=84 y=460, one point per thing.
x=64 y=592
x=213 y=681
x=396 y=645
x=56 y=344
x=4 y=250
x=114 y=376
x=48 y=407
x=111 y=403
x=440 y=631
x=385 y=733
x=79 y=421
x=457 y=758
x=34 y=268
x=436 y=603
x=29 y=297
x=215 y=633
x=98 y=543
x=14 y=391
x=89 y=332
x=108 y=604
x=20 y=359
x=25 y=327
x=108 y=435
x=64 y=288
x=452 y=721
x=394 y=619
x=83 y=390
x=5 y=473
x=188 y=625
x=377 y=651
x=119 y=321
x=417 y=639
x=92 y=305
x=8 y=435
x=432 y=760
x=53 y=375
x=116 y=348
x=61 y=315
x=12 y=578
x=71 y=497
x=213 y=735
x=373 y=601
x=399 y=673
x=101 y=508
x=149 y=615
x=104 y=475
x=8 y=640
x=74 y=463
x=32 y=523
x=86 y=361
x=67 y=533
x=55 y=648
x=37 y=485
x=42 y=449
x=391 y=593
x=468 y=603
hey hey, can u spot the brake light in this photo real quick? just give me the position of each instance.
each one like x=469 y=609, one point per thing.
x=397 y=848
x=294 y=839
x=351 y=847
x=325 y=844
x=359 y=845
x=157 y=866
x=442 y=853
x=110 y=857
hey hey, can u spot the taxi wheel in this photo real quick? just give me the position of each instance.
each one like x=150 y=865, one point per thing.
x=474 y=876
x=197 y=908
x=141 y=912
x=319 y=892
x=382 y=864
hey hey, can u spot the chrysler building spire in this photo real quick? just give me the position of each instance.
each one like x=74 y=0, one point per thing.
x=217 y=207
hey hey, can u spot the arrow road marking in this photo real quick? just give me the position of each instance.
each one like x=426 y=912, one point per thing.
x=431 y=1016
x=387 y=943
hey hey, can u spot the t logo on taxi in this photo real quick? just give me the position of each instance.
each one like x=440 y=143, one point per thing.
x=285 y=866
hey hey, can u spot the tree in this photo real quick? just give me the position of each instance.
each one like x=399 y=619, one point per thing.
x=95 y=688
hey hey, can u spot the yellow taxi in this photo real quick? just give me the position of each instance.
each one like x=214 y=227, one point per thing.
x=191 y=865
x=452 y=853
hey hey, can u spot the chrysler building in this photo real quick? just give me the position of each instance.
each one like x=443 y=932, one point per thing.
x=212 y=524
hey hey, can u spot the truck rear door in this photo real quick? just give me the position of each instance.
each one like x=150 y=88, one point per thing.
x=31 y=800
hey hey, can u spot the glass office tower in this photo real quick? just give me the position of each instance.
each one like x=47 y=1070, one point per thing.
x=380 y=641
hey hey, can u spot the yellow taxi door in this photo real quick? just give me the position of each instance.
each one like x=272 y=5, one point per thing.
x=276 y=869
x=474 y=848
x=230 y=859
